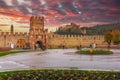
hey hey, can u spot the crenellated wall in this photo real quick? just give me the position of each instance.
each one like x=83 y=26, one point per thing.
x=6 y=38
x=56 y=40
x=53 y=40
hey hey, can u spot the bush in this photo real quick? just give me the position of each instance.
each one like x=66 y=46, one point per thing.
x=95 y=52
x=59 y=75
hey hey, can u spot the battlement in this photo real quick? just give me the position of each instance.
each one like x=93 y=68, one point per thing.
x=36 y=18
x=77 y=36
x=15 y=33
x=36 y=22
x=74 y=40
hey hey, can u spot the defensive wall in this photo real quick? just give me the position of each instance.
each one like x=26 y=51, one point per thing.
x=8 y=38
x=54 y=40
x=68 y=41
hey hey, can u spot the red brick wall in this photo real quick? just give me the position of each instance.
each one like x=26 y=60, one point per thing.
x=5 y=48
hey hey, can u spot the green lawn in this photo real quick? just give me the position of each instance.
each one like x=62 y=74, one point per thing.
x=95 y=52
x=14 y=52
x=60 y=75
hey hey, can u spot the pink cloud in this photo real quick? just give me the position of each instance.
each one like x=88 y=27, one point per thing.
x=72 y=14
x=85 y=14
x=79 y=4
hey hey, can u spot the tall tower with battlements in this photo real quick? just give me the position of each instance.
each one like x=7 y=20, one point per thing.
x=36 y=23
x=37 y=31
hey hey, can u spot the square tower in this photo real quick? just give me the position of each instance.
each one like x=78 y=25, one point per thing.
x=36 y=24
x=37 y=31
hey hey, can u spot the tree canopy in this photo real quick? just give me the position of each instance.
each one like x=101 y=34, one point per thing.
x=95 y=30
x=112 y=36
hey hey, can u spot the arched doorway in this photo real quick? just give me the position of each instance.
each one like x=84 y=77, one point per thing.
x=39 y=44
x=21 y=43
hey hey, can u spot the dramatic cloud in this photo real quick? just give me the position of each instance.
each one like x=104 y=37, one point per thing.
x=59 y=12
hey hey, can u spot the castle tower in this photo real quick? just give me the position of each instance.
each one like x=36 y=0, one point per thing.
x=37 y=31
x=11 y=29
x=36 y=23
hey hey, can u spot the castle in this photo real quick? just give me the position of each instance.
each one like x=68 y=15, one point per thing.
x=20 y=39
x=49 y=40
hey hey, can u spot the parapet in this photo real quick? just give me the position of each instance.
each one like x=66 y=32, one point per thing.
x=98 y=37
x=36 y=18
x=15 y=34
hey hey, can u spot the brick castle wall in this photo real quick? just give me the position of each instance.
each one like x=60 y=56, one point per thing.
x=6 y=38
x=68 y=41
x=54 y=40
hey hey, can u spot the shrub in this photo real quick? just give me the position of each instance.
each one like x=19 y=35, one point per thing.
x=59 y=75
x=95 y=52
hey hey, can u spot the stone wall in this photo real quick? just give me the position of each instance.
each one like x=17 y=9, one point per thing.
x=6 y=38
x=74 y=40
x=53 y=40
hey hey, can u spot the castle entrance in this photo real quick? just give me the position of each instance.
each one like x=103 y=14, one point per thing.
x=21 y=43
x=39 y=44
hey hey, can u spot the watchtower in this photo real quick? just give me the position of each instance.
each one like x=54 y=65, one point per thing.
x=37 y=31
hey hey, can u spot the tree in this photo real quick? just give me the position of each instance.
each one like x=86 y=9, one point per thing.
x=116 y=37
x=108 y=38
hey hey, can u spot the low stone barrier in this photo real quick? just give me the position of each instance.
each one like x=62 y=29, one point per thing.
x=5 y=48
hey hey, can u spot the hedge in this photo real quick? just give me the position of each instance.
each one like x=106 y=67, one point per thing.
x=95 y=52
x=60 y=75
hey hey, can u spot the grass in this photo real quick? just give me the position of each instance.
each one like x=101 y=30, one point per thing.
x=4 y=53
x=59 y=75
x=95 y=52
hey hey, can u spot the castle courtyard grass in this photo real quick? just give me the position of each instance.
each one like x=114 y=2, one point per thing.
x=4 y=53
x=95 y=52
x=60 y=75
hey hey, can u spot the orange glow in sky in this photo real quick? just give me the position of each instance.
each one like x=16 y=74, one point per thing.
x=57 y=13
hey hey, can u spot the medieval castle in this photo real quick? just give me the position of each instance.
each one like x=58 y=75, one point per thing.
x=50 y=40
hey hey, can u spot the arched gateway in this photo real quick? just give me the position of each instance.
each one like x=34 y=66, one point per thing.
x=39 y=44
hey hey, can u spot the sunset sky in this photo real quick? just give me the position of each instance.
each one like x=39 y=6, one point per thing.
x=58 y=12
